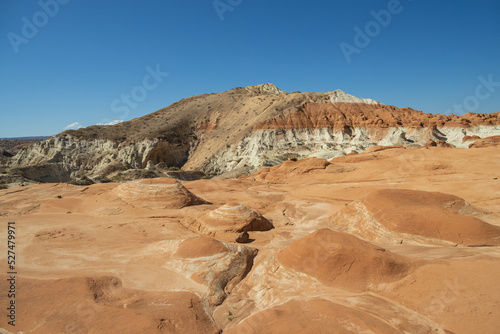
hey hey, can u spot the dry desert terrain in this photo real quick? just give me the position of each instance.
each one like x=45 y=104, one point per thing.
x=391 y=240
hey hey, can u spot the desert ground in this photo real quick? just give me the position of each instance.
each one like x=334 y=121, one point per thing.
x=391 y=240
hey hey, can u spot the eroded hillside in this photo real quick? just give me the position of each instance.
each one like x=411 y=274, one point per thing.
x=239 y=131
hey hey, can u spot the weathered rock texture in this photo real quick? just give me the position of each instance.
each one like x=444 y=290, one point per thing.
x=396 y=216
x=485 y=142
x=245 y=129
x=121 y=258
x=158 y=193
x=342 y=260
x=218 y=266
x=232 y=218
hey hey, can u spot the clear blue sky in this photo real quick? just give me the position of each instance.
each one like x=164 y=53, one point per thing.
x=84 y=58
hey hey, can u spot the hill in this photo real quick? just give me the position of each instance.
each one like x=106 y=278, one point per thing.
x=240 y=131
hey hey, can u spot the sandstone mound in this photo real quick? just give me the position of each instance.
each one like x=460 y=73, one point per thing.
x=395 y=216
x=289 y=169
x=470 y=138
x=486 y=142
x=438 y=143
x=232 y=217
x=321 y=316
x=200 y=247
x=354 y=158
x=160 y=193
x=379 y=148
x=342 y=260
x=103 y=305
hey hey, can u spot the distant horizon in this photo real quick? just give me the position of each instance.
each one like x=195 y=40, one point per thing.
x=24 y=138
x=68 y=64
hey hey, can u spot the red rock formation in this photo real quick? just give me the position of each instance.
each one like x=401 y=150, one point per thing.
x=99 y=304
x=289 y=169
x=470 y=138
x=232 y=218
x=485 y=142
x=431 y=143
x=343 y=115
x=200 y=247
x=438 y=143
x=322 y=316
x=420 y=217
x=160 y=193
x=383 y=148
x=341 y=259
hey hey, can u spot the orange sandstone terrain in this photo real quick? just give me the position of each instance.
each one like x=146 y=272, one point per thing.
x=392 y=240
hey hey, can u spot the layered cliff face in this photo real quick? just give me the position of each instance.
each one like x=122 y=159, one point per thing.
x=242 y=130
x=81 y=157
x=267 y=147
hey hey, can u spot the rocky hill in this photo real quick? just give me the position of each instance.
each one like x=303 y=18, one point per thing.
x=10 y=146
x=239 y=131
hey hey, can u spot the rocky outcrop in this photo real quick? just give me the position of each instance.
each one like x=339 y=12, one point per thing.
x=268 y=147
x=486 y=142
x=10 y=147
x=245 y=129
x=343 y=115
x=158 y=193
x=340 y=96
x=396 y=216
x=291 y=168
x=217 y=265
x=342 y=260
x=470 y=138
x=230 y=218
x=81 y=157
x=44 y=172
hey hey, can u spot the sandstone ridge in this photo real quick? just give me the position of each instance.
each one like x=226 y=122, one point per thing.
x=395 y=216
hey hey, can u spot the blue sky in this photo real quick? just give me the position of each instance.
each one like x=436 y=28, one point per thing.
x=84 y=57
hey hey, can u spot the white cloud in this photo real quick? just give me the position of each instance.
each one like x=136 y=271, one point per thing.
x=73 y=126
x=116 y=121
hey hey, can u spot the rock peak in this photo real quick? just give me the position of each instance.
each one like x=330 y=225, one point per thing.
x=341 y=96
x=268 y=88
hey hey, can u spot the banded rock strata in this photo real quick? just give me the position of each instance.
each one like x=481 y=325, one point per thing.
x=242 y=130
